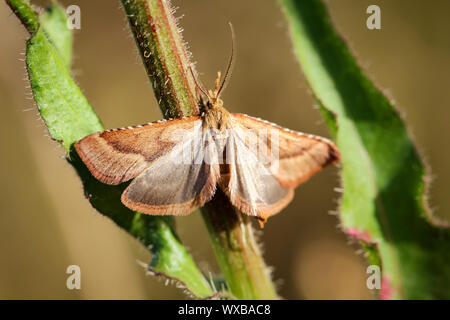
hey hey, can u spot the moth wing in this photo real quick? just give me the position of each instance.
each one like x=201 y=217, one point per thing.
x=177 y=183
x=294 y=156
x=251 y=186
x=116 y=156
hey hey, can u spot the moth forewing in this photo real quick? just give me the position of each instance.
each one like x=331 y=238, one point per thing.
x=213 y=145
x=189 y=145
x=299 y=155
x=118 y=155
x=251 y=187
x=268 y=147
x=172 y=187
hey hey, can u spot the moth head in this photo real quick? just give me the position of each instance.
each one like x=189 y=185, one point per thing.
x=214 y=96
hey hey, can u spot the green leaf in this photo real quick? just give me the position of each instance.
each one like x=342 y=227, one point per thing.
x=69 y=117
x=65 y=110
x=54 y=23
x=383 y=176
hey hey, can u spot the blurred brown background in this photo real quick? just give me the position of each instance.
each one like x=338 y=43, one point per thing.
x=46 y=224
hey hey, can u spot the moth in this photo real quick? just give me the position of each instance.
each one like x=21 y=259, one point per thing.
x=177 y=164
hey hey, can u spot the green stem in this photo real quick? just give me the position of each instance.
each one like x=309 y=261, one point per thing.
x=167 y=65
x=26 y=14
x=236 y=249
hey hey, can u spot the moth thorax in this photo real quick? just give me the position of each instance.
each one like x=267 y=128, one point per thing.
x=217 y=118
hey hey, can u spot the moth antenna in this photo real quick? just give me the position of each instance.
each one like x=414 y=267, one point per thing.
x=196 y=83
x=230 y=63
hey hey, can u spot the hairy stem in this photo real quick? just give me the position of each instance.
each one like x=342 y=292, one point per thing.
x=26 y=14
x=167 y=65
x=236 y=249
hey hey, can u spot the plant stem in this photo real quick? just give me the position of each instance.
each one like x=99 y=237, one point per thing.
x=23 y=10
x=167 y=65
x=236 y=249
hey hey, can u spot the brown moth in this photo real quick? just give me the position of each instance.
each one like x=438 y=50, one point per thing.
x=177 y=163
